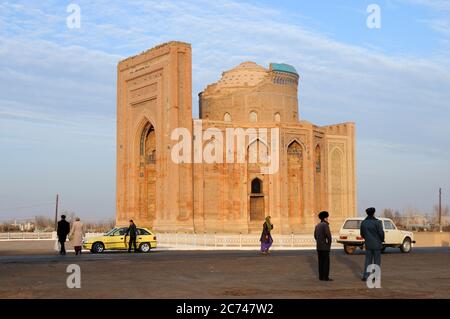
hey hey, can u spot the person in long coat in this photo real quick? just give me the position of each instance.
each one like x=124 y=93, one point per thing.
x=76 y=235
x=266 y=237
x=62 y=231
x=323 y=238
x=373 y=234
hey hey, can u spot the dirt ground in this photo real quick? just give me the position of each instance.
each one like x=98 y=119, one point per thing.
x=40 y=272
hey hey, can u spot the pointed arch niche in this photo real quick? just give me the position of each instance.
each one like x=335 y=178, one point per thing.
x=317 y=179
x=295 y=181
x=336 y=182
x=147 y=174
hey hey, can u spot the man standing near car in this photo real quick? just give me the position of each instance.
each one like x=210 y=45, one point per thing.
x=132 y=231
x=322 y=235
x=373 y=234
x=62 y=232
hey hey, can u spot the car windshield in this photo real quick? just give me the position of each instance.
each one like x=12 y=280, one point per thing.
x=388 y=225
x=352 y=224
x=110 y=232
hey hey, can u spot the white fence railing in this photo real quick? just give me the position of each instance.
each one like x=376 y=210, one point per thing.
x=36 y=236
x=189 y=240
x=180 y=240
x=27 y=235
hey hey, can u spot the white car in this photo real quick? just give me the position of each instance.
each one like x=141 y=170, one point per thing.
x=350 y=235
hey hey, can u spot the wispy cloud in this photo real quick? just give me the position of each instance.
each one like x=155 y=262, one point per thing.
x=442 y=26
x=439 y=5
x=439 y=20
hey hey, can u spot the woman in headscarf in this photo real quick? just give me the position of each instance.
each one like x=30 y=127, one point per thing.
x=76 y=235
x=266 y=237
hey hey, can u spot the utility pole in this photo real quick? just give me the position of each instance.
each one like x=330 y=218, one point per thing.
x=56 y=212
x=440 y=210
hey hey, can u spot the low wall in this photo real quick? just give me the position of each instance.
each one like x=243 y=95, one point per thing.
x=10 y=242
x=220 y=241
x=229 y=241
x=28 y=236
x=435 y=239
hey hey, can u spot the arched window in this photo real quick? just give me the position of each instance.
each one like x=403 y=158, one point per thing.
x=227 y=117
x=295 y=150
x=253 y=117
x=256 y=186
x=277 y=117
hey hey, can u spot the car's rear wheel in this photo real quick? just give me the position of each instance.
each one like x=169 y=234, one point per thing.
x=406 y=245
x=98 y=248
x=349 y=250
x=144 y=247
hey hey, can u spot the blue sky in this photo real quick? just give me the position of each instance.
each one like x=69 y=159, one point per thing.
x=57 y=93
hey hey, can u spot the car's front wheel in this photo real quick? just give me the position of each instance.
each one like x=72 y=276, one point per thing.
x=144 y=247
x=98 y=248
x=349 y=250
x=406 y=245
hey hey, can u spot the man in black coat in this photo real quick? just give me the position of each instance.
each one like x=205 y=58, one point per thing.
x=62 y=232
x=132 y=231
x=322 y=235
x=373 y=234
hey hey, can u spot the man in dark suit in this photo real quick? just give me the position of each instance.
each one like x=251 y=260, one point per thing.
x=322 y=235
x=373 y=234
x=62 y=232
x=132 y=231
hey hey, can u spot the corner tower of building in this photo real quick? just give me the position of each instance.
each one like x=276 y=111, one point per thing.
x=153 y=98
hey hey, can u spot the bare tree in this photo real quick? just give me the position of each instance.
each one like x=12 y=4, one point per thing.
x=445 y=210
x=410 y=212
x=70 y=216
x=101 y=226
x=8 y=227
x=398 y=219
x=43 y=223
x=388 y=213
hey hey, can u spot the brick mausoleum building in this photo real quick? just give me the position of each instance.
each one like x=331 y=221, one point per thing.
x=316 y=169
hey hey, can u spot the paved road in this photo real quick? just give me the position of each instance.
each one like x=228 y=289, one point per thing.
x=424 y=273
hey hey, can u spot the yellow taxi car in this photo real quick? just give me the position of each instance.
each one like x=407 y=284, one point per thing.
x=115 y=239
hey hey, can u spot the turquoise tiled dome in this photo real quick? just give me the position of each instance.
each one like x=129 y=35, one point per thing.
x=283 y=67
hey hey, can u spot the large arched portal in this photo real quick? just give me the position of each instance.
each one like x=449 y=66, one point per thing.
x=147 y=175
